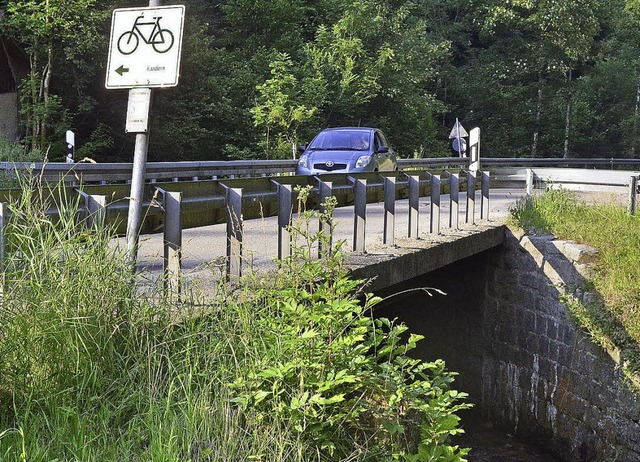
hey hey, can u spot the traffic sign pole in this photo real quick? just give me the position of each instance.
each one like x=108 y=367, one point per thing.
x=137 y=180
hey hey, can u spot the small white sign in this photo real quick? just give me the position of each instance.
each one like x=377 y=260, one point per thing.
x=138 y=110
x=458 y=131
x=145 y=47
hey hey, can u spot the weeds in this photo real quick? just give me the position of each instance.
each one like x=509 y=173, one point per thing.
x=614 y=317
x=293 y=370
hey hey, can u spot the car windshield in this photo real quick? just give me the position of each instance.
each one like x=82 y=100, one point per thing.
x=341 y=141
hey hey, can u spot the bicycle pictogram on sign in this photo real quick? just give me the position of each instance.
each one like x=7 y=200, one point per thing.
x=151 y=33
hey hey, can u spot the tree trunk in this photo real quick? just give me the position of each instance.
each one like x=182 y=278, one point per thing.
x=636 y=114
x=536 y=128
x=46 y=84
x=567 y=118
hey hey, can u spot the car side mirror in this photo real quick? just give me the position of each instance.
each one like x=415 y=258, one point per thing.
x=383 y=149
x=301 y=149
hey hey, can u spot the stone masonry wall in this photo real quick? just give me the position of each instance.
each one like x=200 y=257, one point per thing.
x=542 y=377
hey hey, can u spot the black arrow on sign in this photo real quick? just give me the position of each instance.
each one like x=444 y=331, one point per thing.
x=121 y=70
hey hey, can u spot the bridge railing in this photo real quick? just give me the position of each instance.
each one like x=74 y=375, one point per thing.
x=172 y=206
x=108 y=173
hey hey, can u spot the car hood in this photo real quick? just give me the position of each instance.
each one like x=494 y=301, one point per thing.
x=347 y=157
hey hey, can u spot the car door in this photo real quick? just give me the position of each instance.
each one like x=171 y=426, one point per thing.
x=382 y=158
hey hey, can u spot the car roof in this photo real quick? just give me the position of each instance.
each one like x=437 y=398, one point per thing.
x=363 y=129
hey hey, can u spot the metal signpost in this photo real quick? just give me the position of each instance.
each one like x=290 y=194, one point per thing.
x=457 y=134
x=144 y=53
x=71 y=146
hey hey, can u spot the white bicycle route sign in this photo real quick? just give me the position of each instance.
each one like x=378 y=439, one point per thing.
x=145 y=47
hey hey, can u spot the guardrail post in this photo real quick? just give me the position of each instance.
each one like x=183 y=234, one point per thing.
x=96 y=208
x=633 y=191
x=471 y=198
x=172 y=262
x=484 y=199
x=360 y=213
x=454 y=200
x=233 y=201
x=388 y=235
x=4 y=216
x=435 y=204
x=529 y=182
x=285 y=209
x=414 y=205
x=324 y=226
x=474 y=149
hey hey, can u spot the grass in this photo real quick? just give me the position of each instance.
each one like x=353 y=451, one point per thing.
x=614 y=319
x=290 y=369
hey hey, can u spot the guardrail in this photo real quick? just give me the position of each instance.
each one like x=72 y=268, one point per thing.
x=176 y=205
x=107 y=173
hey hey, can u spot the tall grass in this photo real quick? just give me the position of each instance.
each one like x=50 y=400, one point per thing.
x=293 y=368
x=616 y=236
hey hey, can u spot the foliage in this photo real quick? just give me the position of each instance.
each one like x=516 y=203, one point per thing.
x=55 y=34
x=616 y=236
x=547 y=78
x=292 y=368
x=281 y=107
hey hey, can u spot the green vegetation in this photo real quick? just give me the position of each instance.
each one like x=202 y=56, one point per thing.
x=614 y=317
x=546 y=78
x=293 y=368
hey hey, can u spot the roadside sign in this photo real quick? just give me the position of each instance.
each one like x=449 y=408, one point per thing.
x=145 y=47
x=138 y=110
x=458 y=131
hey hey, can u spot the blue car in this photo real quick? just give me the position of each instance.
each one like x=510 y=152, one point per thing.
x=347 y=150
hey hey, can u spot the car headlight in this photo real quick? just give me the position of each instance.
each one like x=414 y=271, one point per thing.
x=303 y=160
x=363 y=161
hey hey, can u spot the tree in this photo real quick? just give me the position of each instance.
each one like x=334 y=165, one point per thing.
x=281 y=106
x=52 y=32
x=547 y=38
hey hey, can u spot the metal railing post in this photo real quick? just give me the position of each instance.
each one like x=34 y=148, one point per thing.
x=4 y=216
x=388 y=235
x=484 y=198
x=233 y=201
x=454 y=200
x=172 y=242
x=285 y=211
x=96 y=209
x=529 y=184
x=633 y=191
x=435 y=204
x=471 y=198
x=324 y=226
x=360 y=213
x=414 y=205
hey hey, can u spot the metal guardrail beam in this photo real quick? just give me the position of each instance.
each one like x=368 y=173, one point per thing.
x=87 y=172
x=233 y=200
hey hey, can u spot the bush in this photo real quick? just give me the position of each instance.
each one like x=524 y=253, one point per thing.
x=291 y=368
